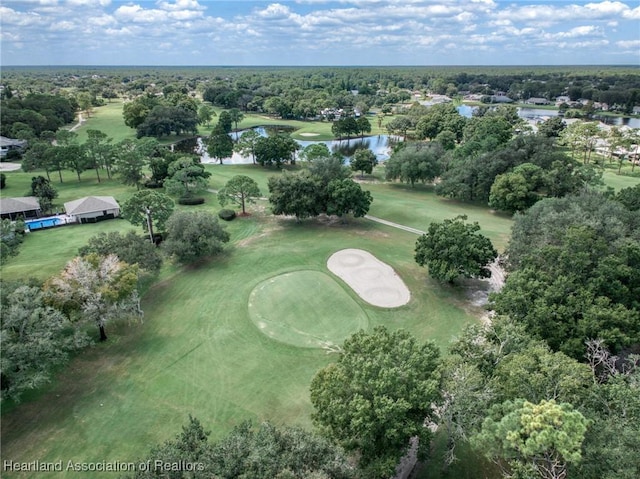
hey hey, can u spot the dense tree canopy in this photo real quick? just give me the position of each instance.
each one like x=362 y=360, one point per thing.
x=11 y=237
x=297 y=195
x=540 y=439
x=97 y=289
x=129 y=247
x=518 y=189
x=377 y=396
x=438 y=119
x=187 y=177
x=275 y=150
x=148 y=209
x=574 y=265
x=415 y=163
x=473 y=168
x=192 y=235
x=34 y=339
x=249 y=452
x=167 y=119
x=36 y=113
x=454 y=249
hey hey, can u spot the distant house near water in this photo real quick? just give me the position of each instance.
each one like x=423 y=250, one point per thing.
x=537 y=101
x=92 y=209
x=14 y=208
x=8 y=144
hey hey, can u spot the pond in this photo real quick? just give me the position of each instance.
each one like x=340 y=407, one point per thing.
x=541 y=114
x=380 y=145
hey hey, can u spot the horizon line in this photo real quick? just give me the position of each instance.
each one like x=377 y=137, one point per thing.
x=75 y=65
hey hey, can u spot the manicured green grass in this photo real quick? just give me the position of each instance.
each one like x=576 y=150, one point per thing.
x=617 y=182
x=419 y=206
x=44 y=253
x=198 y=351
x=220 y=174
x=19 y=184
x=108 y=119
x=305 y=308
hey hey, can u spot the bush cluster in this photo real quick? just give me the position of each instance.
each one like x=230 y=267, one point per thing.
x=227 y=214
x=191 y=200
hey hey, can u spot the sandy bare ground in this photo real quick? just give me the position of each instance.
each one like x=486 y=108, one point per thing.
x=309 y=134
x=374 y=281
x=8 y=166
x=81 y=121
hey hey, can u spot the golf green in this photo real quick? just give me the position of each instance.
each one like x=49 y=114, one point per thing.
x=305 y=308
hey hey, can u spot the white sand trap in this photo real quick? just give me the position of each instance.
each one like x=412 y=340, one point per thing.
x=309 y=134
x=374 y=281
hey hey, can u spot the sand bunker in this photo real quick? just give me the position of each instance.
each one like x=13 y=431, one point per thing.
x=374 y=281
x=309 y=134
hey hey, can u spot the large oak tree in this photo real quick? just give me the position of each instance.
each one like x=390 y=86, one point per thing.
x=454 y=249
x=377 y=396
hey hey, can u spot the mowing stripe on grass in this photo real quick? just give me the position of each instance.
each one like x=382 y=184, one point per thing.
x=308 y=309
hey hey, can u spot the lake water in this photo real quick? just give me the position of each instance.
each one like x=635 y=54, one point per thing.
x=540 y=114
x=380 y=144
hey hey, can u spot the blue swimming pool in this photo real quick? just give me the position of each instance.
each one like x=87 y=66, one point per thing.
x=42 y=223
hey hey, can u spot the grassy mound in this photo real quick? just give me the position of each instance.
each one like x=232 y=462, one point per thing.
x=306 y=309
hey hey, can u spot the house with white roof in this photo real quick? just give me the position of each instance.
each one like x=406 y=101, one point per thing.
x=92 y=209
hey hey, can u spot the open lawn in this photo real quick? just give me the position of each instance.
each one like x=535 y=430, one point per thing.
x=45 y=252
x=198 y=351
x=305 y=308
x=109 y=120
x=19 y=184
x=617 y=182
x=419 y=206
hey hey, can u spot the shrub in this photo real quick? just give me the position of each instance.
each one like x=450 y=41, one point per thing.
x=227 y=215
x=153 y=184
x=13 y=155
x=191 y=200
x=3 y=180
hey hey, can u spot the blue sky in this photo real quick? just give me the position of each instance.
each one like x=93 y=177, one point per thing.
x=319 y=32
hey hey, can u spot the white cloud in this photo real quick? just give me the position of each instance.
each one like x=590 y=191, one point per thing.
x=629 y=44
x=88 y=3
x=63 y=26
x=563 y=12
x=275 y=10
x=101 y=20
x=180 y=5
x=13 y=17
x=31 y=2
x=279 y=29
x=582 y=31
x=632 y=14
x=185 y=14
x=137 y=14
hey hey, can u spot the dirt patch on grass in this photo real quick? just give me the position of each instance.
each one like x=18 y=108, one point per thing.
x=9 y=166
